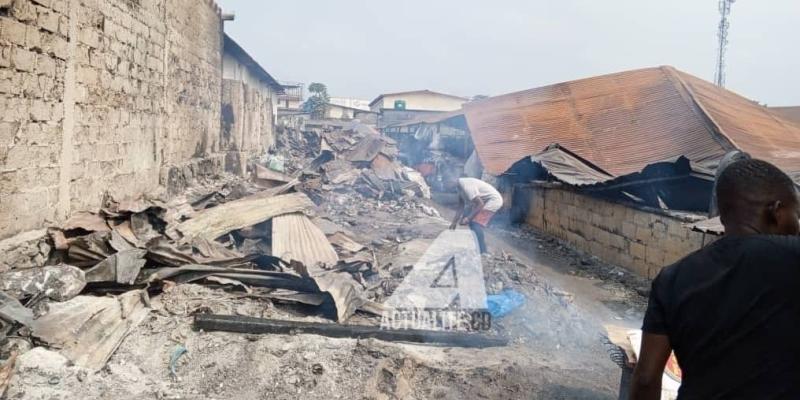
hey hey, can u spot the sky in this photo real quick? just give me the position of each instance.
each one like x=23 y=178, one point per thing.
x=361 y=48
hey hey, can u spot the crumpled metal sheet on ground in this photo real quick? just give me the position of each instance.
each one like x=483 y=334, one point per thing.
x=122 y=267
x=248 y=211
x=267 y=279
x=624 y=121
x=88 y=329
x=295 y=237
x=87 y=221
x=11 y=310
x=370 y=146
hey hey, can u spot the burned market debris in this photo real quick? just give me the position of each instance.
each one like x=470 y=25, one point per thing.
x=12 y=311
x=57 y=282
x=285 y=236
x=89 y=329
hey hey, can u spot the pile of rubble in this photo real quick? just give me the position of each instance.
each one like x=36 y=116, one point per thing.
x=355 y=158
x=285 y=235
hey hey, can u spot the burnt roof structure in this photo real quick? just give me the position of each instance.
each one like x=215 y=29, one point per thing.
x=622 y=122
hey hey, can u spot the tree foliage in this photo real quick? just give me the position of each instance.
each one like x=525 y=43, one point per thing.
x=318 y=100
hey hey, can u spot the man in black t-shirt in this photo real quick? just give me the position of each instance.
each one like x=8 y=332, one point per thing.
x=731 y=311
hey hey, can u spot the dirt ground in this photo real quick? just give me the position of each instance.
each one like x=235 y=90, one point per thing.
x=557 y=348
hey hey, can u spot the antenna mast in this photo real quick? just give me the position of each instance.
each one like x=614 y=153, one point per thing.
x=722 y=35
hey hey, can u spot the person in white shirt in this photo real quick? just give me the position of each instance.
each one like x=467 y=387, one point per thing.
x=478 y=201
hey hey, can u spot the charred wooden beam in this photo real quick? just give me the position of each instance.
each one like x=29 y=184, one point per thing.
x=241 y=324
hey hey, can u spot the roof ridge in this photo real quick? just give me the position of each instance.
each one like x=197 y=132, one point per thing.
x=695 y=104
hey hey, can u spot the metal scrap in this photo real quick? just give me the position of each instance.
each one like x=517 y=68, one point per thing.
x=344 y=242
x=215 y=222
x=95 y=326
x=11 y=310
x=57 y=282
x=295 y=237
x=86 y=221
x=122 y=267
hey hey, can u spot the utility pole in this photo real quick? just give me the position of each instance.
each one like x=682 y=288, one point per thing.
x=722 y=36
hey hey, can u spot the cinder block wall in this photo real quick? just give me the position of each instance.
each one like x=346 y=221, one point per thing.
x=247 y=122
x=641 y=241
x=102 y=95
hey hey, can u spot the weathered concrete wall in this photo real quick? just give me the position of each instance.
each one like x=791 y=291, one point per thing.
x=102 y=96
x=641 y=241
x=247 y=122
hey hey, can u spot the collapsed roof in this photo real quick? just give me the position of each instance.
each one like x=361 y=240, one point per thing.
x=675 y=184
x=622 y=122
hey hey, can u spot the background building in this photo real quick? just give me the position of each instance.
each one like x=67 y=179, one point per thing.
x=394 y=108
x=291 y=101
x=350 y=102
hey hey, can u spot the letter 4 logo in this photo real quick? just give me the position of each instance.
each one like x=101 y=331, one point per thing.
x=446 y=283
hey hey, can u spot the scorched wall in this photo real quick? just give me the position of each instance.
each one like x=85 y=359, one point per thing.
x=637 y=239
x=102 y=96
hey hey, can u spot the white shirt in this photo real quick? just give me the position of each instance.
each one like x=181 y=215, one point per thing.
x=470 y=188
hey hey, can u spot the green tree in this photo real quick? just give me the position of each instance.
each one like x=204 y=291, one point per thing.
x=318 y=100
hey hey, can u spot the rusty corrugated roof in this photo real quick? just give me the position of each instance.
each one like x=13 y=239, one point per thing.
x=625 y=121
x=569 y=168
x=792 y=114
x=750 y=126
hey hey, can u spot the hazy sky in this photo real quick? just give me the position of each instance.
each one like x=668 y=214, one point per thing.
x=361 y=48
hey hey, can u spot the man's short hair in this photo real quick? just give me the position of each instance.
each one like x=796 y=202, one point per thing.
x=748 y=183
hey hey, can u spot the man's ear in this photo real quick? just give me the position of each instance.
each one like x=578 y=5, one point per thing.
x=774 y=211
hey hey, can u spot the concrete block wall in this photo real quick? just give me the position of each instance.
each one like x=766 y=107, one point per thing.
x=639 y=240
x=33 y=62
x=103 y=96
x=194 y=79
x=247 y=121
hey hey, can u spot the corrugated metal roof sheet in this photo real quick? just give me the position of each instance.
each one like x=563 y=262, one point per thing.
x=625 y=121
x=792 y=114
x=750 y=126
x=295 y=237
x=567 y=167
x=234 y=49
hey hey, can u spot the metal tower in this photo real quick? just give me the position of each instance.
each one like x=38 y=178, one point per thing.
x=722 y=35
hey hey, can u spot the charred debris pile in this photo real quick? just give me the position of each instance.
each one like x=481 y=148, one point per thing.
x=282 y=235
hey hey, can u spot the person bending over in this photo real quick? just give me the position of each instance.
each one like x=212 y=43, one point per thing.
x=478 y=201
x=731 y=311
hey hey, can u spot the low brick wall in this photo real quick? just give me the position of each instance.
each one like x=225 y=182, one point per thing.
x=640 y=240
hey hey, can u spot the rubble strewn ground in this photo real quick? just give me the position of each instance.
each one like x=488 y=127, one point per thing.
x=379 y=226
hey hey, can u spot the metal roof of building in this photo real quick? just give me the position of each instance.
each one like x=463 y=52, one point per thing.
x=788 y=113
x=235 y=50
x=430 y=118
x=625 y=121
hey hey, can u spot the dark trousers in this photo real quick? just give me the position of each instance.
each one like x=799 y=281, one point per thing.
x=478 y=229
